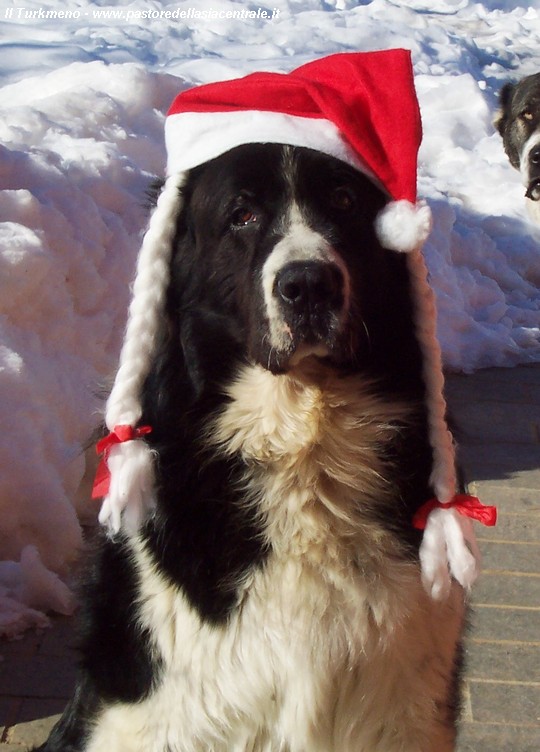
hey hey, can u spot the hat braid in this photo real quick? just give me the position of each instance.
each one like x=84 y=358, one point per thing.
x=443 y=475
x=149 y=292
x=130 y=463
x=448 y=547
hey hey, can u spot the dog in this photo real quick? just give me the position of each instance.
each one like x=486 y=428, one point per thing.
x=273 y=601
x=518 y=122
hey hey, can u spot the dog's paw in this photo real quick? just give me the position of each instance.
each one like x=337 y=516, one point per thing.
x=448 y=549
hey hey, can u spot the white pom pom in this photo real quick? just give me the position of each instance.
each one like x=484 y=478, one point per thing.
x=131 y=493
x=448 y=549
x=403 y=226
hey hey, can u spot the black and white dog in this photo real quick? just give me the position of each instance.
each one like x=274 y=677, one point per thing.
x=273 y=602
x=518 y=122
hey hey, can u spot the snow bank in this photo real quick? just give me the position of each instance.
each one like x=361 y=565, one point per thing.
x=78 y=162
x=25 y=589
x=81 y=117
x=483 y=254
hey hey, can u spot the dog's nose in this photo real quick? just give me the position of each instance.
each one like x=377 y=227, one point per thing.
x=305 y=285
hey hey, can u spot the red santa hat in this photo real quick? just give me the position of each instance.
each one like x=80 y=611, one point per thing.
x=358 y=107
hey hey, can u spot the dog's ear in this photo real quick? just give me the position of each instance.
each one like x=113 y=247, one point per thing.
x=505 y=98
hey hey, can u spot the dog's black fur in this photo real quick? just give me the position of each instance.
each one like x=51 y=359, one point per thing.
x=203 y=537
x=518 y=120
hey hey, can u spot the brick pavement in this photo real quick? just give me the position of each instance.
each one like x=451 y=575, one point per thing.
x=498 y=413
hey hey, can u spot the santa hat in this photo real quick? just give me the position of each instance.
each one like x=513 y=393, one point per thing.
x=360 y=108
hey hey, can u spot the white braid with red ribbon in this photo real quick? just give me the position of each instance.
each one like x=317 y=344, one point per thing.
x=130 y=463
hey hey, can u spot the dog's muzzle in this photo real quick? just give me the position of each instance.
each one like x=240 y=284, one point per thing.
x=310 y=295
x=533 y=185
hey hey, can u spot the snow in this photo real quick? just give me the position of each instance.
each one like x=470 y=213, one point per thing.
x=81 y=127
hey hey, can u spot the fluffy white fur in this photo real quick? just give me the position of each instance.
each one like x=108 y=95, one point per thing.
x=335 y=629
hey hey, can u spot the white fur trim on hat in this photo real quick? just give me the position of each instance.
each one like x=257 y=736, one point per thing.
x=403 y=226
x=193 y=138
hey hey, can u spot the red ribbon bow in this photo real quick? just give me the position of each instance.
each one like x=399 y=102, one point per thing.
x=469 y=506
x=119 y=435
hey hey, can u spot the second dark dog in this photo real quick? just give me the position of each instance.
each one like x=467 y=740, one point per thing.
x=518 y=122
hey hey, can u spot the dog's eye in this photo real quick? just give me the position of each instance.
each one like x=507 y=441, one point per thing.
x=243 y=216
x=527 y=115
x=342 y=198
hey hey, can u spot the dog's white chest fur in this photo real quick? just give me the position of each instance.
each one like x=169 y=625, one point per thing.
x=311 y=444
x=332 y=630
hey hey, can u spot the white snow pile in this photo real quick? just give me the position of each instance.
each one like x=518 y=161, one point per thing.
x=82 y=145
x=84 y=90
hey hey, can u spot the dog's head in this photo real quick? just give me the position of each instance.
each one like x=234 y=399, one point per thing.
x=276 y=247
x=277 y=255
x=518 y=122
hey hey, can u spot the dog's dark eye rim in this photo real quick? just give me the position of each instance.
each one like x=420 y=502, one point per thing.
x=343 y=198
x=242 y=211
x=243 y=216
